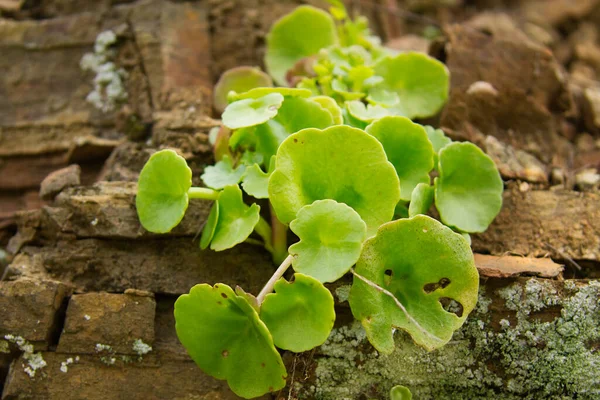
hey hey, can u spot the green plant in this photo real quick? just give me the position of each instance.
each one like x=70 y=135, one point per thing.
x=344 y=167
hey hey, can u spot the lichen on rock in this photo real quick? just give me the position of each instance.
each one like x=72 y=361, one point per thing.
x=529 y=340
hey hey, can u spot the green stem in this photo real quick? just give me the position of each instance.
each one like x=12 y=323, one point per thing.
x=279 y=235
x=271 y=283
x=264 y=231
x=203 y=193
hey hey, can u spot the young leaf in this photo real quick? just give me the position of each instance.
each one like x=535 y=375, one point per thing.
x=421 y=82
x=421 y=200
x=210 y=227
x=162 y=196
x=408 y=148
x=438 y=140
x=331 y=236
x=299 y=314
x=236 y=220
x=404 y=277
x=342 y=89
x=295 y=114
x=238 y=79
x=225 y=337
x=222 y=174
x=383 y=97
x=251 y=112
x=400 y=392
x=340 y=163
x=256 y=182
x=330 y=105
x=302 y=33
x=468 y=191
x=368 y=113
x=259 y=92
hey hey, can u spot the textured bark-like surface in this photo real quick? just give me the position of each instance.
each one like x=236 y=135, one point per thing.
x=126 y=321
x=30 y=309
x=565 y=224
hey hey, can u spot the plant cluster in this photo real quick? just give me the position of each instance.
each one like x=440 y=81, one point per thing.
x=342 y=165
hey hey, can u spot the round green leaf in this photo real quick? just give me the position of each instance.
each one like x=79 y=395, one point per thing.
x=250 y=112
x=238 y=79
x=421 y=200
x=421 y=82
x=236 y=220
x=408 y=148
x=222 y=174
x=340 y=163
x=383 y=97
x=162 y=196
x=368 y=113
x=413 y=266
x=400 y=392
x=330 y=105
x=468 y=191
x=225 y=337
x=331 y=236
x=299 y=314
x=210 y=227
x=259 y=92
x=302 y=33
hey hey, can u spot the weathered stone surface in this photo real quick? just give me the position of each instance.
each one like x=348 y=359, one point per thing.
x=536 y=223
x=529 y=86
x=30 y=308
x=168 y=266
x=88 y=378
x=512 y=266
x=526 y=339
x=591 y=108
x=59 y=180
x=515 y=164
x=108 y=324
x=107 y=210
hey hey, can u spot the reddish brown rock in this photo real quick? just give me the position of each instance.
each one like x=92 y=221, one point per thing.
x=107 y=324
x=30 y=309
x=512 y=266
x=59 y=180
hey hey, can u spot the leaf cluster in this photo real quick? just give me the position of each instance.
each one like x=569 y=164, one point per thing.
x=340 y=162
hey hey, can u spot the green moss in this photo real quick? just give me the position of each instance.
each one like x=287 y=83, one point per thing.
x=543 y=347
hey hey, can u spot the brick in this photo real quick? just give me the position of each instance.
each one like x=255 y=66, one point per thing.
x=97 y=320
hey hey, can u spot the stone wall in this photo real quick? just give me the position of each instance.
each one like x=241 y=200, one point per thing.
x=86 y=302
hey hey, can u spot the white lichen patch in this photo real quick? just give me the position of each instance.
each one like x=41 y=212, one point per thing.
x=64 y=366
x=343 y=293
x=103 y=347
x=529 y=358
x=34 y=361
x=141 y=348
x=109 y=88
x=87 y=317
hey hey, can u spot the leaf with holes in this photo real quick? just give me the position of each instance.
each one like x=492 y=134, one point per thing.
x=299 y=314
x=235 y=220
x=251 y=112
x=331 y=236
x=299 y=34
x=162 y=196
x=400 y=392
x=256 y=182
x=468 y=191
x=420 y=81
x=222 y=174
x=405 y=276
x=421 y=200
x=408 y=148
x=225 y=337
x=238 y=79
x=340 y=163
